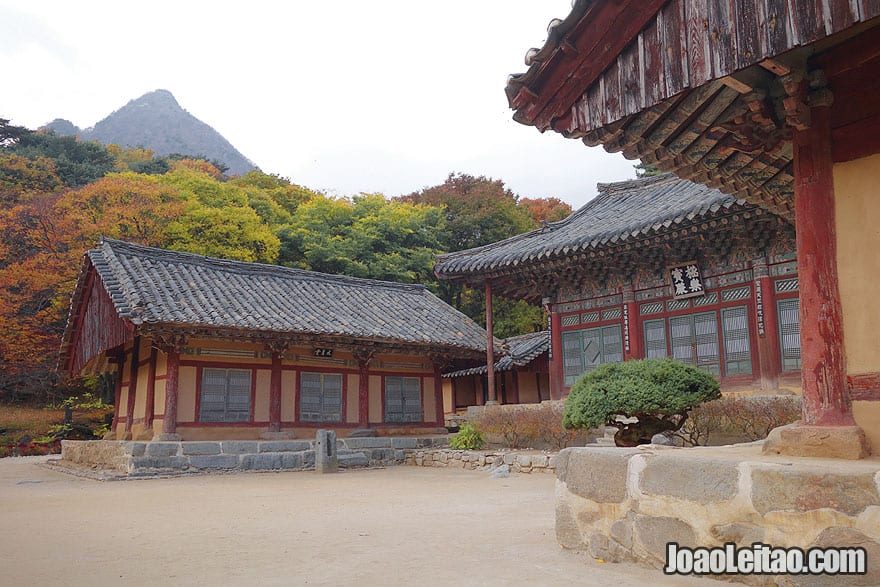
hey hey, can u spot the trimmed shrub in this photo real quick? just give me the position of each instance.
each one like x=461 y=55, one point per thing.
x=528 y=425
x=640 y=398
x=467 y=439
x=742 y=418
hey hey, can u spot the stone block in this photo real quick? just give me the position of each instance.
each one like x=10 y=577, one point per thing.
x=268 y=461
x=741 y=533
x=404 y=443
x=215 y=461
x=399 y=456
x=326 y=454
x=375 y=442
x=654 y=533
x=200 y=448
x=622 y=533
x=539 y=461
x=161 y=449
x=291 y=460
x=568 y=533
x=353 y=459
x=524 y=461
x=308 y=459
x=173 y=462
x=838 y=537
x=601 y=547
x=598 y=474
x=135 y=449
x=683 y=476
x=284 y=446
x=775 y=489
x=836 y=442
x=500 y=472
x=239 y=447
x=509 y=458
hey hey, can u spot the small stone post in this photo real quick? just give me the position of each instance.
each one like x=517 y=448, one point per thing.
x=326 y=458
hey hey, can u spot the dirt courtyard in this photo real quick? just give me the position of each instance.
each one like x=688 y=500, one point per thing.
x=395 y=526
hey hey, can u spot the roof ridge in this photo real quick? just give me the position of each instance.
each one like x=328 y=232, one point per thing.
x=246 y=267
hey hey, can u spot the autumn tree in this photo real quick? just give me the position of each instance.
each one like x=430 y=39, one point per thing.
x=546 y=209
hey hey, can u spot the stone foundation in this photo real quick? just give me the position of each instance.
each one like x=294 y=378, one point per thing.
x=623 y=504
x=140 y=459
x=518 y=462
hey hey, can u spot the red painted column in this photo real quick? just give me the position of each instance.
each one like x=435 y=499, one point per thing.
x=632 y=340
x=826 y=401
x=275 y=394
x=767 y=326
x=132 y=386
x=120 y=366
x=363 y=393
x=557 y=376
x=438 y=396
x=150 y=407
x=172 y=381
x=490 y=346
x=514 y=386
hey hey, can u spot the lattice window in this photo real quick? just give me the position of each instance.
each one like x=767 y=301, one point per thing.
x=584 y=350
x=655 y=339
x=403 y=399
x=786 y=285
x=694 y=341
x=570 y=320
x=612 y=314
x=673 y=305
x=740 y=293
x=225 y=395
x=737 y=346
x=588 y=317
x=706 y=300
x=651 y=308
x=320 y=397
x=790 y=333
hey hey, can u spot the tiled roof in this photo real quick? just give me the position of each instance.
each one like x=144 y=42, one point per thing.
x=624 y=210
x=522 y=350
x=153 y=287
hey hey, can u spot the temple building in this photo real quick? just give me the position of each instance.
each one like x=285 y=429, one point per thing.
x=774 y=103
x=212 y=349
x=655 y=267
x=522 y=376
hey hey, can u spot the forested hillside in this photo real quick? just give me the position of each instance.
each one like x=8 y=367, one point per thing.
x=58 y=196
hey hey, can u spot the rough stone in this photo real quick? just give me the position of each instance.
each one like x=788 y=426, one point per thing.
x=539 y=461
x=654 y=533
x=161 y=449
x=268 y=461
x=836 y=442
x=239 y=447
x=353 y=459
x=401 y=443
x=662 y=440
x=308 y=458
x=607 y=550
x=500 y=472
x=135 y=449
x=524 y=460
x=173 y=462
x=741 y=533
x=836 y=537
x=291 y=460
x=215 y=461
x=793 y=490
x=284 y=446
x=568 y=533
x=622 y=532
x=598 y=474
x=326 y=455
x=509 y=458
x=200 y=448
x=377 y=442
x=699 y=479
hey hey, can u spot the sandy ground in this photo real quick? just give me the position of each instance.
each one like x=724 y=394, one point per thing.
x=396 y=526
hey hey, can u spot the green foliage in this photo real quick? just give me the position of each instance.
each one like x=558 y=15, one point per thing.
x=467 y=438
x=647 y=170
x=76 y=162
x=229 y=232
x=652 y=390
x=11 y=134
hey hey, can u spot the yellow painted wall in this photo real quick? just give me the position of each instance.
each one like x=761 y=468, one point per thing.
x=867 y=415
x=429 y=400
x=160 y=399
x=161 y=364
x=448 y=406
x=186 y=395
x=351 y=400
x=288 y=395
x=376 y=412
x=261 y=399
x=857 y=212
x=140 y=393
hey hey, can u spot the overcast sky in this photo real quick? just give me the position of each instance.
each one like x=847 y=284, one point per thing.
x=344 y=95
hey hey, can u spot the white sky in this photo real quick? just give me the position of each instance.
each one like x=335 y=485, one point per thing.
x=344 y=96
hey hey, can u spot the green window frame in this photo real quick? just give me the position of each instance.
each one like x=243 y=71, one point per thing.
x=403 y=399
x=737 y=341
x=225 y=395
x=584 y=350
x=320 y=397
x=788 y=312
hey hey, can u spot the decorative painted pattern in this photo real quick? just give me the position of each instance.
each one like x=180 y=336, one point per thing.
x=786 y=285
x=740 y=293
x=651 y=308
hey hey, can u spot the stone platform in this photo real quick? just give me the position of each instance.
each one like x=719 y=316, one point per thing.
x=626 y=504
x=121 y=459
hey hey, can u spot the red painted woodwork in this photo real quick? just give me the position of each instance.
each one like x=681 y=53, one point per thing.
x=490 y=344
x=864 y=386
x=117 y=392
x=275 y=394
x=98 y=326
x=169 y=421
x=132 y=383
x=769 y=358
x=438 y=396
x=557 y=379
x=363 y=393
x=150 y=407
x=631 y=326
x=825 y=397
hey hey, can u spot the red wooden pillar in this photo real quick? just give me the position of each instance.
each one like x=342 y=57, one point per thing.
x=826 y=400
x=275 y=393
x=169 y=422
x=514 y=386
x=132 y=386
x=478 y=390
x=117 y=392
x=364 y=392
x=150 y=407
x=766 y=326
x=632 y=341
x=490 y=346
x=557 y=375
x=438 y=395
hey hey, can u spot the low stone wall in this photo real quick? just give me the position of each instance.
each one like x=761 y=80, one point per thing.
x=133 y=459
x=627 y=504
x=469 y=459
